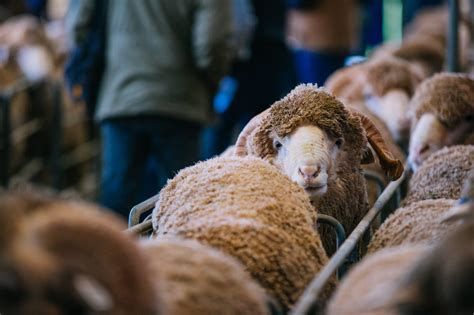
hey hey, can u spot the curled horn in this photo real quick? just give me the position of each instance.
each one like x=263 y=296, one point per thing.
x=392 y=167
x=241 y=143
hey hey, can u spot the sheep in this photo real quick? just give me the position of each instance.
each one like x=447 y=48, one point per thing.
x=442 y=175
x=426 y=221
x=197 y=279
x=247 y=209
x=383 y=85
x=50 y=261
x=412 y=279
x=464 y=208
x=368 y=286
x=319 y=144
x=69 y=257
x=442 y=114
x=420 y=222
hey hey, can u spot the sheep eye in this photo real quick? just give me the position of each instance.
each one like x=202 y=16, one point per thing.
x=339 y=142
x=277 y=144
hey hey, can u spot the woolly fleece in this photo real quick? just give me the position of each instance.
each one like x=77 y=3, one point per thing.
x=370 y=285
x=449 y=96
x=346 y=198
x=196 y=279
x=423 y=50
x=386 y=74
x=418 y=223
x=442 y=175
x=251 y=211
x=55 y=240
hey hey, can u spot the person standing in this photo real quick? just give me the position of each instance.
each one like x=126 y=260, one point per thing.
x=163 y=62
x=322 y=34
x=265 y=76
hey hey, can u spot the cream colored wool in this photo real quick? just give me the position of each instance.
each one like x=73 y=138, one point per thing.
x=449 y=96
x=370 y=285
x=442 y=175
x=418 y=223
x=196 y=279
x=251 y=211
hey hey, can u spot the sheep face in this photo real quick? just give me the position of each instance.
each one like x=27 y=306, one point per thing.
x=391 y=109
x=430 y=135
x=307 y=156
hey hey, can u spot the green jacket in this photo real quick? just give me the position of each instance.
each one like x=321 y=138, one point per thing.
x=164 y=57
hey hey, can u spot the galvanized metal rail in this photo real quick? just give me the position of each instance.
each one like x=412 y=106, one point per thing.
x=308 y=303
x=6 y=96
x=145 y=227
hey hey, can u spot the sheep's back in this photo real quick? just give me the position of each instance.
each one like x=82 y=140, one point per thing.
x=196 y=279
x=418 y=223
x=369 y=287
x=442 y=175
x=249 y=210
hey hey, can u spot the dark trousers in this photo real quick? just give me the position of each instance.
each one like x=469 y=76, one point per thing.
x=140 y=154
x=315 y=66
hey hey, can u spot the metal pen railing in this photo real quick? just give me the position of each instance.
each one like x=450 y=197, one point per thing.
x=308 y=303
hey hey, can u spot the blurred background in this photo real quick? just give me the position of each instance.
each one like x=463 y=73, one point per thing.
x=109 y=99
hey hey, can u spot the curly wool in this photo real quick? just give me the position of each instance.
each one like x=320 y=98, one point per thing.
x=449 y=96
x=424 y=50
x=63 y=237
x=370 y=285
x=442 y=175
x=199 y=280
x=346 y=198
x=418 y=223
x=386 y=74
x=307 y=104
x=251 y=211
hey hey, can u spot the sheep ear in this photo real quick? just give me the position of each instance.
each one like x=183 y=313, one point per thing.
x=254 y=123
x=92 y=293
x=367 y=156
x=392 y=167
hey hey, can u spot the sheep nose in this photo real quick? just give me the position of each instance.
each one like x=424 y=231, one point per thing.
x=309 y=172
x=425 y=148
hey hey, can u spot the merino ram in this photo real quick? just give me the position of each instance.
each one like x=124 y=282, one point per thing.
x=319 y=144
x=248 y=209
x=65 y=257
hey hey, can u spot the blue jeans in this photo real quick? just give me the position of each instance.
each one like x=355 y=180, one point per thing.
x=140 y=154
x=316 y=67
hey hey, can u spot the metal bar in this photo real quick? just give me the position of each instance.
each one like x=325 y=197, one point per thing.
x=138 y=210
x=453 y=36
x=141 y=229
x=471 y=46
x=377 y=178
x=56 y=130
x=309 y=298
x=333 y=222
x=5 y=137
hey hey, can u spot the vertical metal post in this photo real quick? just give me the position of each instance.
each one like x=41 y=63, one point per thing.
x=5 y=139
x=453 y=36
x=471 y=46
x=56 y=129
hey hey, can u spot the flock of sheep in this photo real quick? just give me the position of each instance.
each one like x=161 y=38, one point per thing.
x=237 y=234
